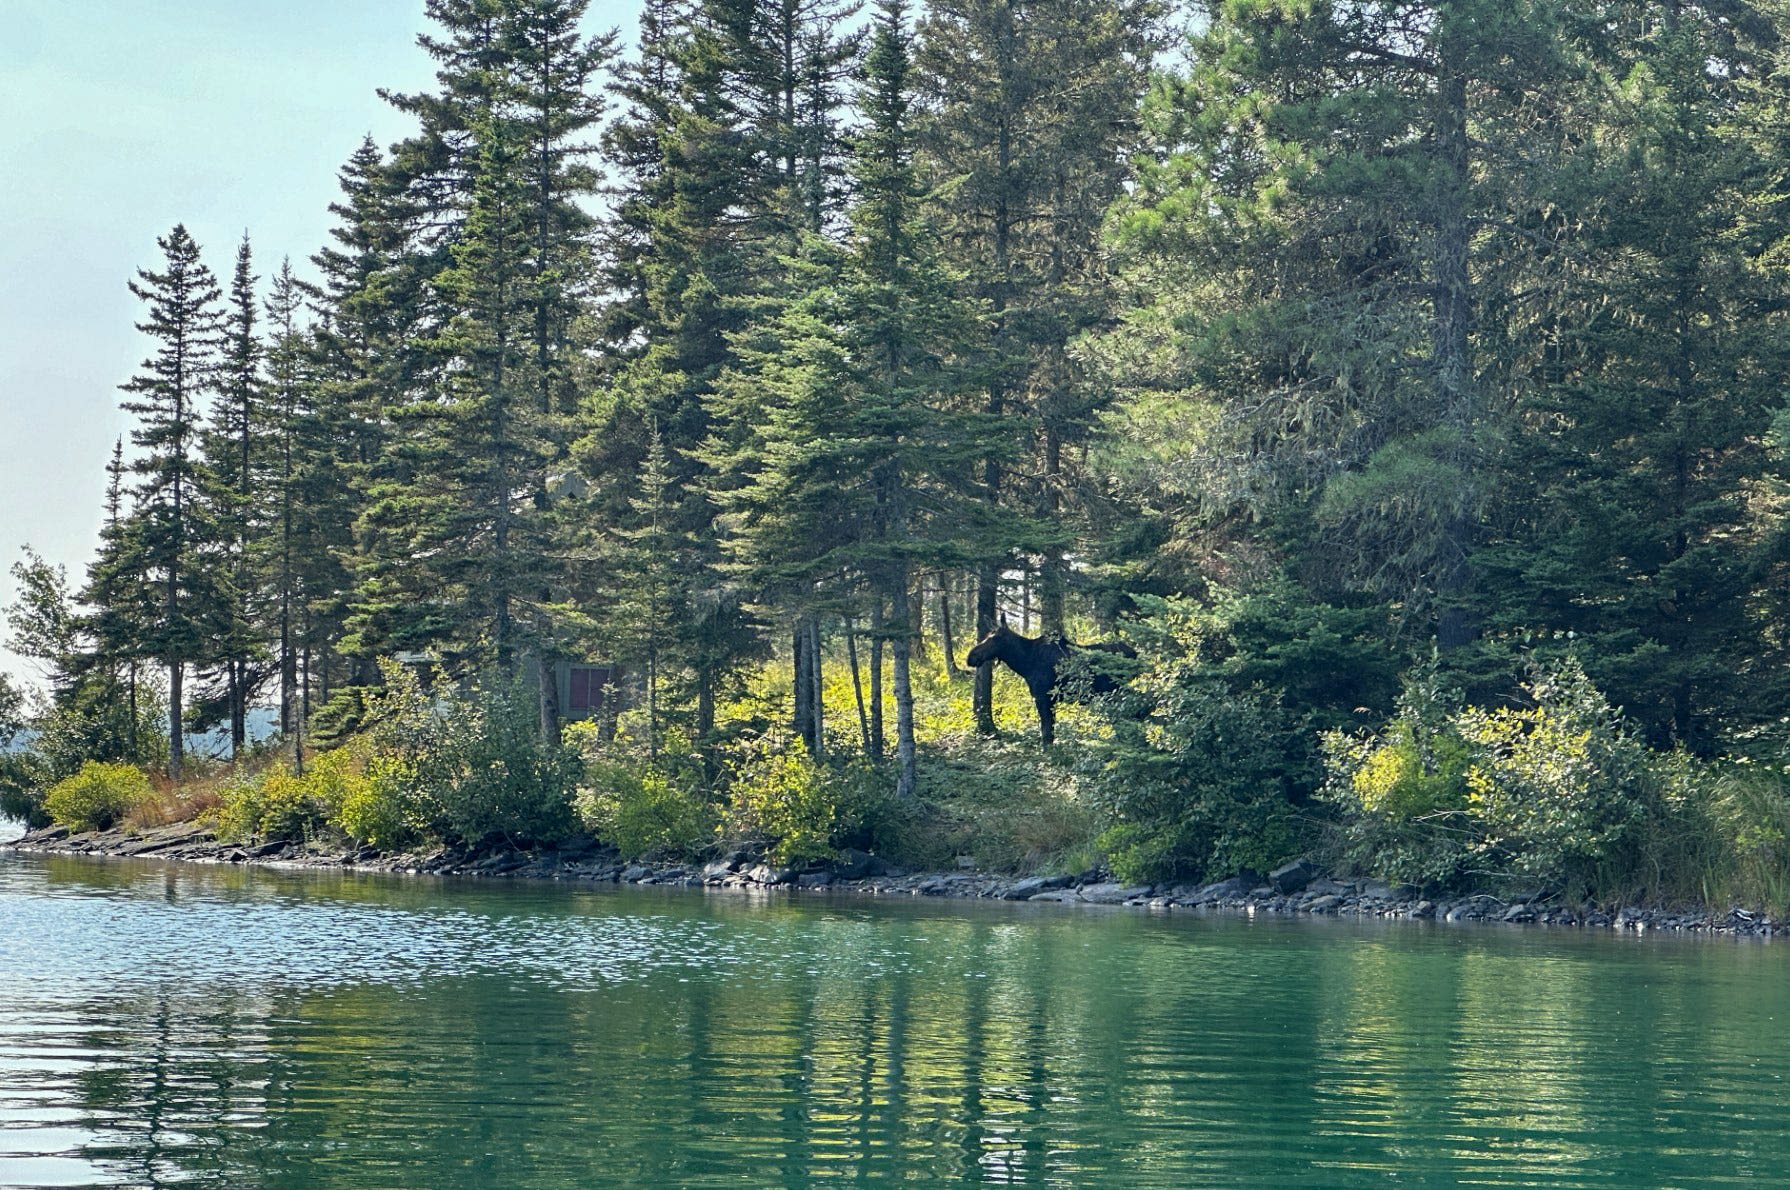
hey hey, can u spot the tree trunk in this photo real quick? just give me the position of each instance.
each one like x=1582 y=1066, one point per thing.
x=907 y=781
x=945 y=639
x=176 y=736
x=802 y=675
x=1053 y=572
x=857 y=687
x=1451 y=354
x=304 y=704
x=876 y=679
x=239 y=727
x=547 y=674
x=820 y=720
x=705 y=703
x=982 y=697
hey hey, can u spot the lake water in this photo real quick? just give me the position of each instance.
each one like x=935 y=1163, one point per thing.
x=165 y=1026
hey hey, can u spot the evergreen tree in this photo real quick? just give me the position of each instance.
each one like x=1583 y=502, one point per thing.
x=861 y=474
x=229 y=444
x=364 y=358
x=121 y=604
x=1030 y=119
x=1345 y=392
x=1632 y=520
x=459 y=544
x=285 y=404
x=175 y=536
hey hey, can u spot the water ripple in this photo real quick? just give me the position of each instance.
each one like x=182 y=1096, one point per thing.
x=163 y=1026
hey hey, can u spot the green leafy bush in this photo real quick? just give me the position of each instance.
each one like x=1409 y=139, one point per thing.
x=1402 y=792
x=24 y=776
x=1560 y=789
x=779 y=797
x=274 y=804
x=481 y=770
x=98 y=796
x=645 y=810
x=374 y=807
x=1206 y=758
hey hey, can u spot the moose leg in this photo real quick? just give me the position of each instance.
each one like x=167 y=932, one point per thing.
x=1047 y=719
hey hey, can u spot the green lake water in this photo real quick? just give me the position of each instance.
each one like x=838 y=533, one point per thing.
x=166 y=1026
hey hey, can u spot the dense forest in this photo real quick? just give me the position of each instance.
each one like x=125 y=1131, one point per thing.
x=1402 y=380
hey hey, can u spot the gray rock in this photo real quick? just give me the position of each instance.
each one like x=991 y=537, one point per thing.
x=719 y=870
x=1223 y=890
x=1291 y=878
x=853 y=864
x=1031 y=886
x=635 y=873
x=1326 y=887
x=814 y=879
x=1057 y=895
x=1324 y=904
x=767 y=875
x=1519 y=913
x=1113 y=894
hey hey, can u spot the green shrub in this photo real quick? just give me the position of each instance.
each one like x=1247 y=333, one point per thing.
x=1747 y=810
x=97 y=796
x=1198 y=787
x=23 y=777
x=481 y=770
x=375 y=807
x=779 y=797
x=1561 y=789
x=1213 y=743
x=1402 y=792
x=274 y=804
x=644 y=810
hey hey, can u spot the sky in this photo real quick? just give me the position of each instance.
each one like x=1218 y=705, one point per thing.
x=119 y=119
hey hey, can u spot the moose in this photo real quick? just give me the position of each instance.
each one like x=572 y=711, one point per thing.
x=1048 y=665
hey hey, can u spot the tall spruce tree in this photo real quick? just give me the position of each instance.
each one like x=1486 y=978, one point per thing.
x=229 y=445
x=460 y=549
x=1335 y=184
x=861 y=472
x=1631 y=518
x=1030 y=119
x=173 y=543
x=284 y=404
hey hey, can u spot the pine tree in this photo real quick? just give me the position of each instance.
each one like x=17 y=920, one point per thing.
x=459 y=551
x=1030 y=122
x=1345 y=391
x=121 y=604
x=1631 y=520
x=229 y=445
x=365 y=358
x=175 y=532
x=861 y=472
x=284 y=405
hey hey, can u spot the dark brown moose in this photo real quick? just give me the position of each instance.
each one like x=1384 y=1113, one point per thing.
x=1048 y=665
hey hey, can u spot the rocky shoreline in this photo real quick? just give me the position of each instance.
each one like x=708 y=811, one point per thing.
x=1297 y=888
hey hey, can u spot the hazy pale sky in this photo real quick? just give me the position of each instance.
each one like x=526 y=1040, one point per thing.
x=120 y=118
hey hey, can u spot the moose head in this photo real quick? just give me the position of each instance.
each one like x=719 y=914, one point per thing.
x=993 y=646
